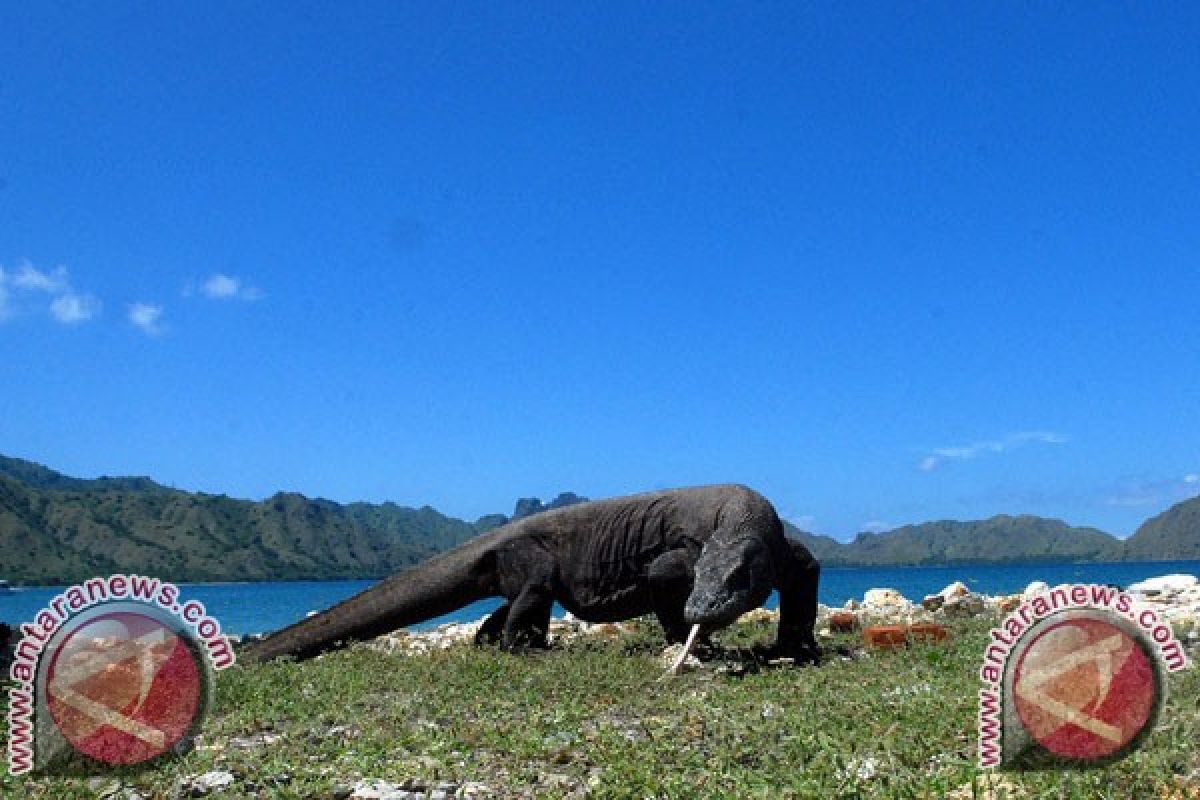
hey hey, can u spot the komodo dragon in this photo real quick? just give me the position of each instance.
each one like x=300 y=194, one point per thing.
x=695 y=557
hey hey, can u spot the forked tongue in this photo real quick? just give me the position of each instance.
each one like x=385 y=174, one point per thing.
x=677 y=667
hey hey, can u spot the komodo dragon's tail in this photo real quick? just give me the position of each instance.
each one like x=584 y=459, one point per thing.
x=443 y=584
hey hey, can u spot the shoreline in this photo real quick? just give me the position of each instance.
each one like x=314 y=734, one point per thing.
x=1175 y=597
x=1016 y=564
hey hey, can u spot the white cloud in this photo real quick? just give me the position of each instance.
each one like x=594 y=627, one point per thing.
x=147 y=317
x=877 y=526
x=71 y=308
x=30 y=278
x=805 y=522
x=20 y=288
x=1193 y=478
x=226 y=287
x=969 y=451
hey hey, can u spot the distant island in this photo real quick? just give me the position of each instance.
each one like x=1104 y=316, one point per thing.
x=57 y=529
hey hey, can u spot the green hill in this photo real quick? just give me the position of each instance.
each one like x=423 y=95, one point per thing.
x=1000 y=539
x=1173 y=534
x=57 y=529
x=827 y=549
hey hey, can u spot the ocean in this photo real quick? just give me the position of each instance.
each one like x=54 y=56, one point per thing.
x=244 y=608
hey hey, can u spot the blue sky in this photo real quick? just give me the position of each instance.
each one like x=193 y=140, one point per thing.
x=885 y=264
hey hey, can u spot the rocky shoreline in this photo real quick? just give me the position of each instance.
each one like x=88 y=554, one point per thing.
x=1176 y=598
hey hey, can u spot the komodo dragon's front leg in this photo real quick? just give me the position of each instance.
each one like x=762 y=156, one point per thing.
x=670 y=577
x=797 y=579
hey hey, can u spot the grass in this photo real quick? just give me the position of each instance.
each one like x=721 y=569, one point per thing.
x=596 y=718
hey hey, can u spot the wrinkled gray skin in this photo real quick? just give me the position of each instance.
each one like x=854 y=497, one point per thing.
x=701 y=555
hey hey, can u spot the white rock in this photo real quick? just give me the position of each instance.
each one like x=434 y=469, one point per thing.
x=862 y=768
x=759 y=615
x=885 y=598
x=200 y=785
x=1034 y=589
x=1164 y=584
x=956 y=589
x=378 y=790
x=671 y=653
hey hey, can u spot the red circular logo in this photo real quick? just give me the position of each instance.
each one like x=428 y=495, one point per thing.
x=1085 y=688
x=124 y=687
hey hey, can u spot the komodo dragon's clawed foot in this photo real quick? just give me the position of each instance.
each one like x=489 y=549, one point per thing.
x=798 y=655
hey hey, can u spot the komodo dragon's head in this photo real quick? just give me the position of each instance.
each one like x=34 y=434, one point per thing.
x=733 y=576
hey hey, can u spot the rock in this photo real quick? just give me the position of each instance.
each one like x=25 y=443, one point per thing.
x=672 y=652
x=207 y=783
x=885 y=637
x=254 y=741
x=1034 y=589
x=956 y=589
x=556 y=780
x=864 y=769
x=381 y=790
x=1183 y=619
x=885 y=598
x=103 y=786
x=1163 y=585
x=341 y=791
x=608 y=630
x=965 y=605
x=1009 y=603
x=989 y=786
x=927 y=632
x=843 y=621
x=758 y=615
x=932 y=602
x=851 y=605
x=908 y=691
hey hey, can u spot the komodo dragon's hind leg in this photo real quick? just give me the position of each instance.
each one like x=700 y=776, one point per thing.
x=492 y=629
x=529 y=619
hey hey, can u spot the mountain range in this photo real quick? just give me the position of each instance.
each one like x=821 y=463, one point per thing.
x=57 y=529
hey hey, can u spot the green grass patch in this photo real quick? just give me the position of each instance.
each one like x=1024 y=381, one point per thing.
x=597 y=719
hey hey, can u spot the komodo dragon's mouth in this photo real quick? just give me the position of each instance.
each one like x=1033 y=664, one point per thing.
x=717 y=611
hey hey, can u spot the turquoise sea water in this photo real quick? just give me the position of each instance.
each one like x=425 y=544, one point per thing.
x=260 y=607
